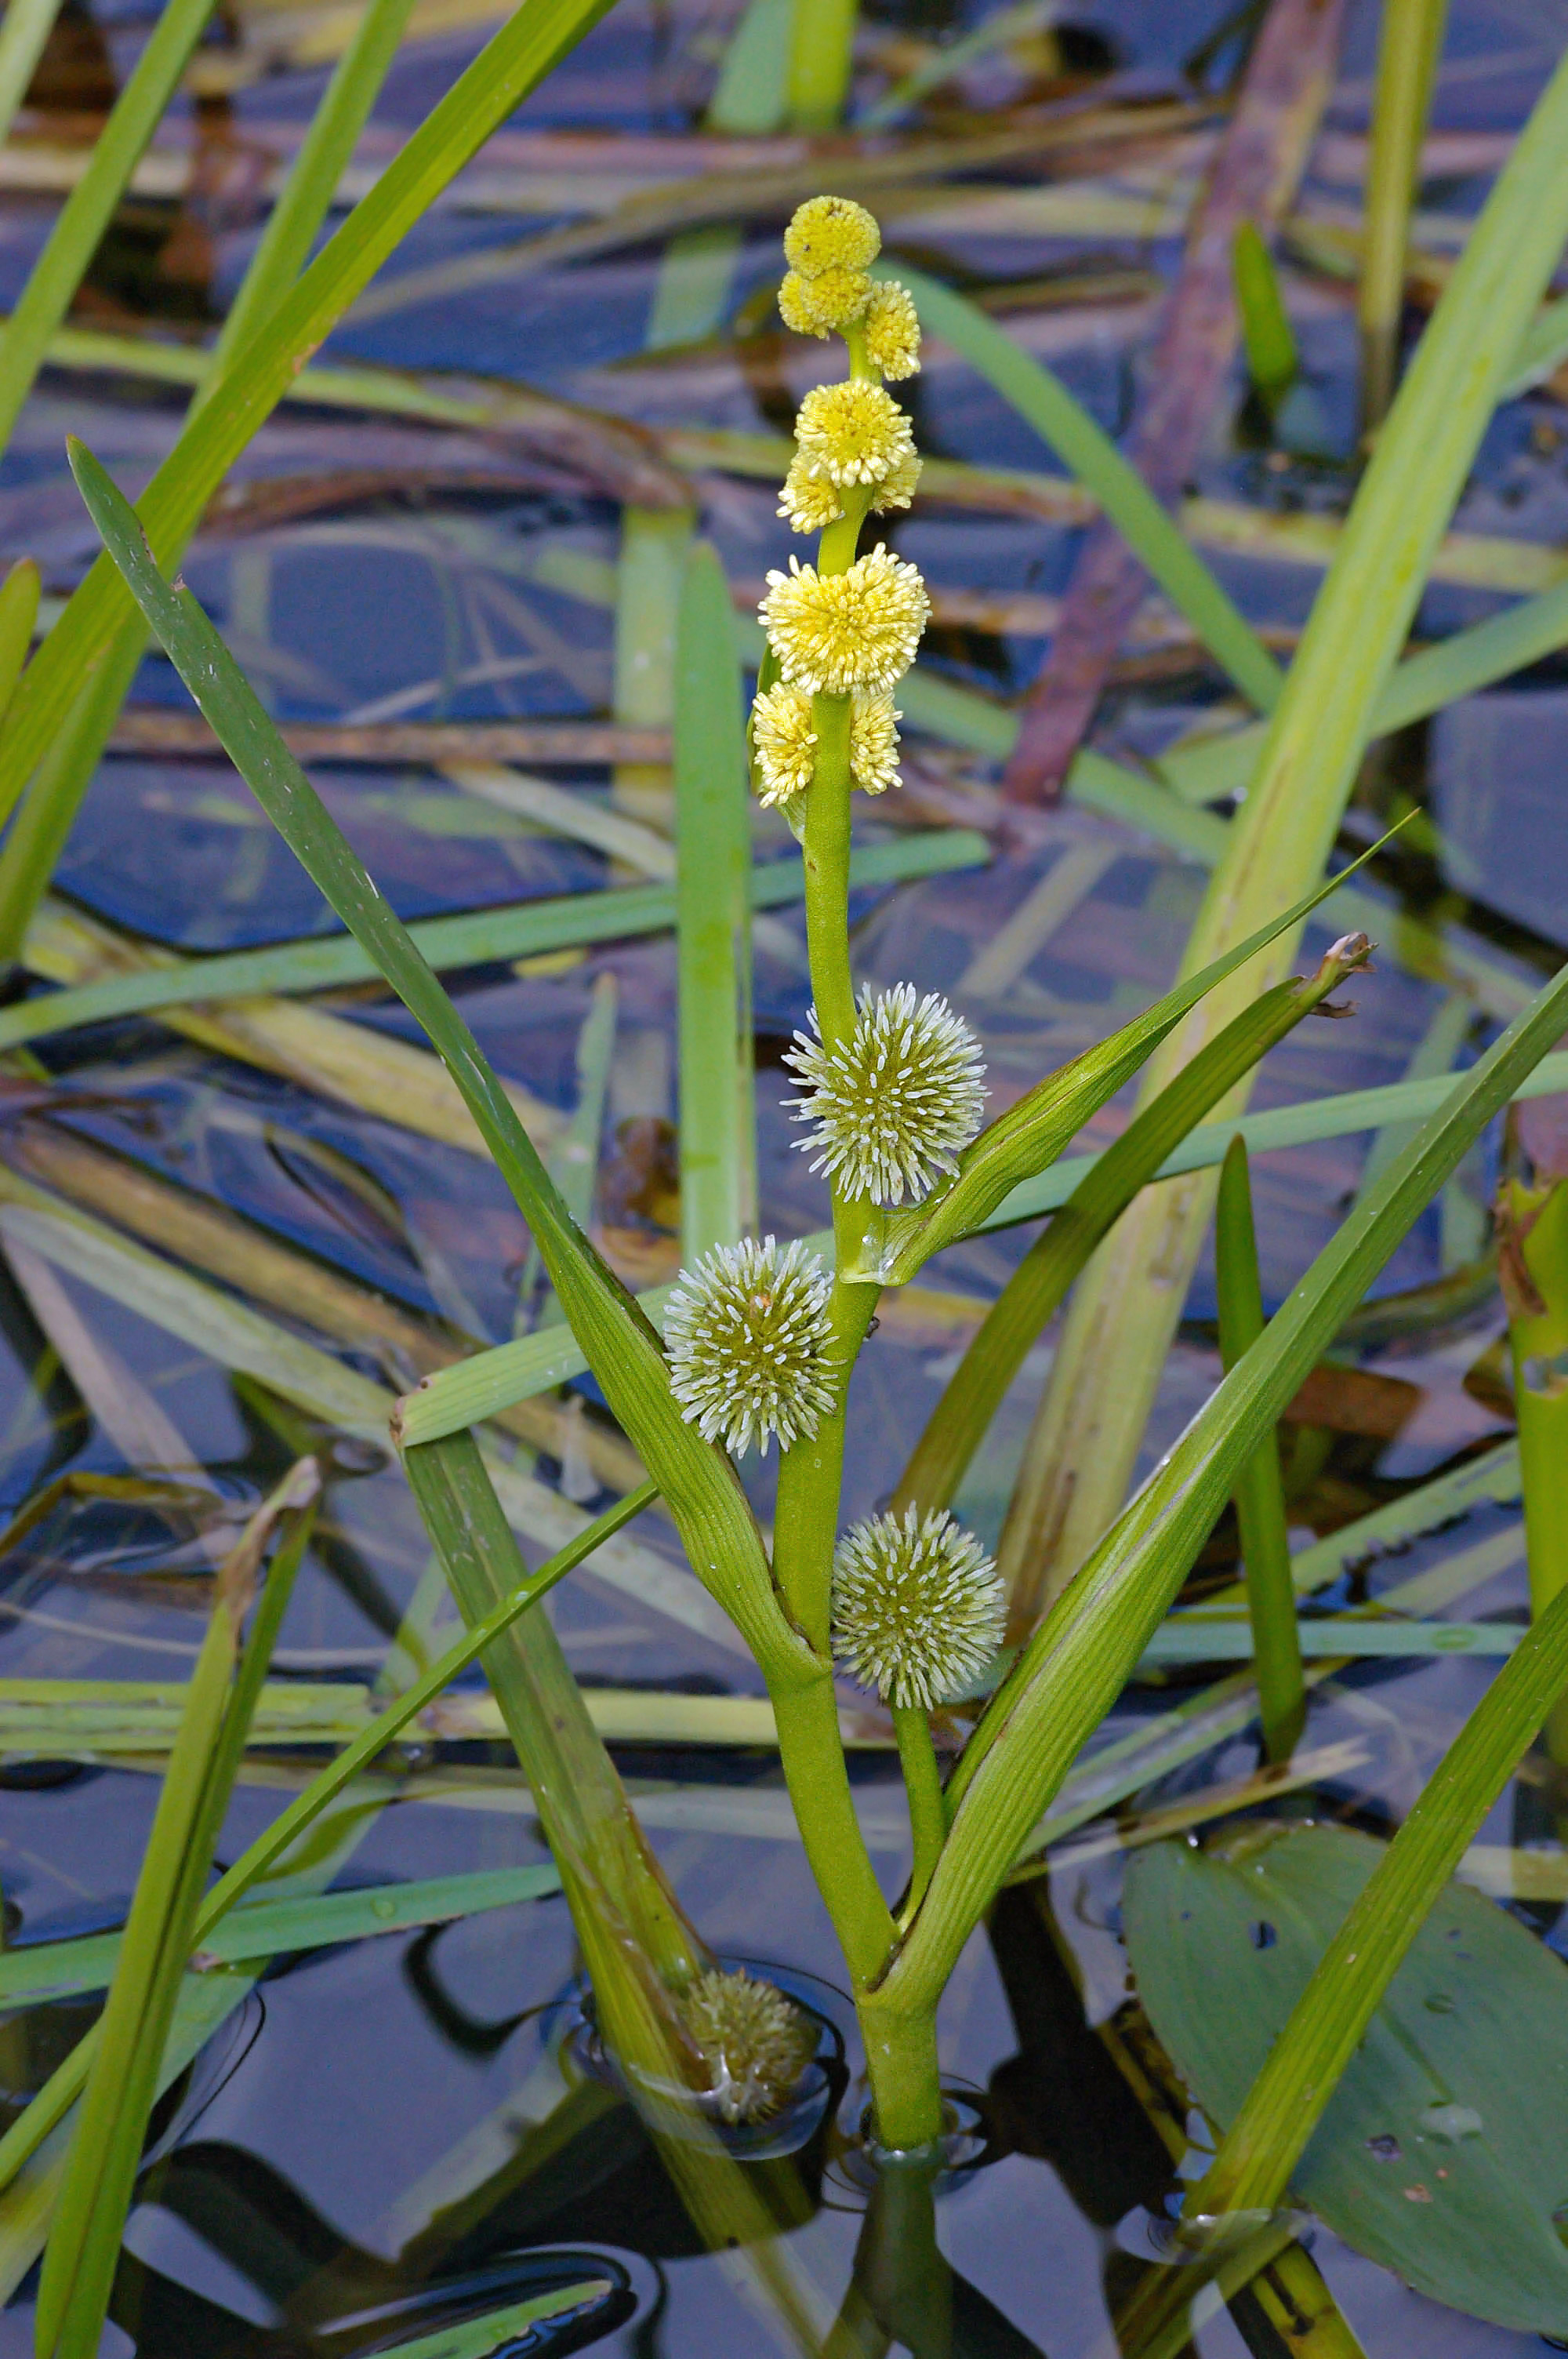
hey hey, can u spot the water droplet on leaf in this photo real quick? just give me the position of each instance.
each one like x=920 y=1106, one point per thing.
x=1452 y=2122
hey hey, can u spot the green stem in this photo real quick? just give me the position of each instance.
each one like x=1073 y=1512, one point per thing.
x=825 y=855
x=901 y=2062
x=806 y=1518
x=927 y=1812
x=812 y=1751
x=1258 y=1491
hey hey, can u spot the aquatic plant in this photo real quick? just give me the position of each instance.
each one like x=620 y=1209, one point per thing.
x=761 y=1342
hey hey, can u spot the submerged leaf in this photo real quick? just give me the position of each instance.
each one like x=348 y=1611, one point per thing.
x=1444 y=2152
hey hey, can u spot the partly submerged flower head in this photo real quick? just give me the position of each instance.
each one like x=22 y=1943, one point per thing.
x=832 y=301
x=831 y=232
x=746 y=1334
x=838 y=631
x=756 y=2044
x=785 y=742
x=893 y=331
x=917 y=1607
x=853 y=432
x=890 y=1108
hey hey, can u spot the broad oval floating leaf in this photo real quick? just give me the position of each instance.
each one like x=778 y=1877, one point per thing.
x=1443 y=2153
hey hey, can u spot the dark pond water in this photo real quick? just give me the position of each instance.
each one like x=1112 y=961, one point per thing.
x=389 y=2116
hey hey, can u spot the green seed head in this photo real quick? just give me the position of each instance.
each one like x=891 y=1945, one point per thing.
x=755 y=2042
x=890 y=1109
x=746 y=1334
x=917 y=1607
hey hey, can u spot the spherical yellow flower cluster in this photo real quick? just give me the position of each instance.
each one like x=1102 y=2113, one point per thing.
x=853 y=434
x=829 y=244
x=785 y=742
x=832 y=633
x=893 y=331
x=811 y=501
x=831 y=232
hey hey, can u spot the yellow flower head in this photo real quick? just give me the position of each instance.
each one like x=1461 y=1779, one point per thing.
x=785 y=742
x=809 y=501
x=853 y=434
x=839 y=631
x=900 y=486
x=893 y=331
x=873 y=741
x=831 y=233
x=820 y=306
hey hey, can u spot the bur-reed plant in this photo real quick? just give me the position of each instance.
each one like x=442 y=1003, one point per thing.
x=764 y=1335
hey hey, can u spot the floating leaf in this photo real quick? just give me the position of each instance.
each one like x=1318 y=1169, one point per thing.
x=1444 y=2152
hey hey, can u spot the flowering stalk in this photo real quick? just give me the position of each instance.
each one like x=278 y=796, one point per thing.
x=889 y=1095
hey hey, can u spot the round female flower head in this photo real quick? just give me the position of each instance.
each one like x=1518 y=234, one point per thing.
x=893 y=331
x=785 y=742
x=891 y=1107
x=917 y=1607
x=830 y=302
x=746 y=1334
x=852 y=432
x=831 y=232
x=838 y=631
x=756 y=2044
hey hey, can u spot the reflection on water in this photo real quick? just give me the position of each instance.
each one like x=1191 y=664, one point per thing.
x=387 y=2141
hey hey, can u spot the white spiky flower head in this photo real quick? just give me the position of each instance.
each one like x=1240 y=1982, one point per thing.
x=893 y=331
x=826 y=305
x=831 y=233
x=890 y=1108
x=785 y=742
x=838 y=631
x=756 y=2044
x=853 y=432
x=808 y=501
x=746 y=1334
x=918 y=1608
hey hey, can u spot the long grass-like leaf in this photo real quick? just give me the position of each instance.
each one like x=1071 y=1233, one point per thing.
x=519 y=929
x=639 y=1946
x=83 y=2248
x=1044 y=402
x=19 y=615
x=54 y=2101
x=477 y=1387
x=713 y=932
x=509 y=66
x=1423 y=684
x=85 y=215
x=1285 y=2104
x=1071 y=1670
x=23 y=37
x=270 y=1927
x=1039 y=1284
x=698 y=1481
x=1033 y=1132
x=36 y=842
x=1114 y=1344
x=1260 y=1492
x=1409 y=37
